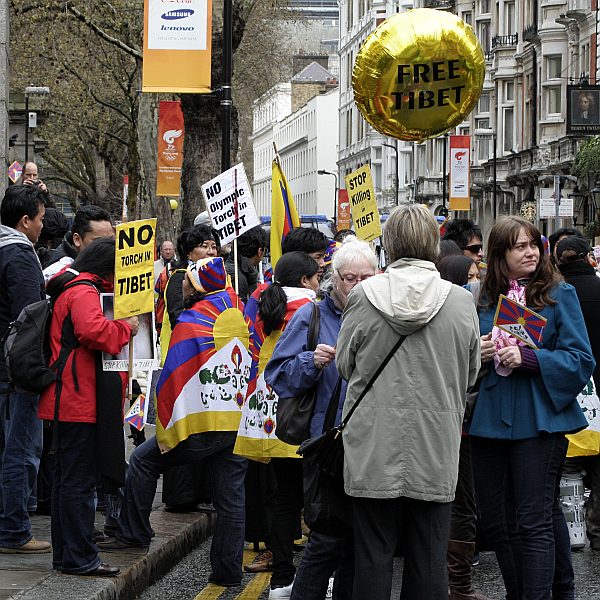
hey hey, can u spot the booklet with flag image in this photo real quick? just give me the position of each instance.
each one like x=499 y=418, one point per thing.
x=519 y=321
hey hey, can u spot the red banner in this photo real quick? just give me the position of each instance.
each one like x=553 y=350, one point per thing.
x=170 y=148
x=460 y=172
x=343 y=213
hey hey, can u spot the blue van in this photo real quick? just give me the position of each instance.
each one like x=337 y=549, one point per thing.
x=320 y=222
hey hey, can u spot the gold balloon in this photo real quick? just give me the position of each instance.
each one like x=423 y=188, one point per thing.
x=174 y=204
x=419 y=74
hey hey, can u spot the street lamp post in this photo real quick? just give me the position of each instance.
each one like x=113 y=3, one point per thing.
x=324 y=172
x=490 y=133
x=395 y=149
x=31 y=91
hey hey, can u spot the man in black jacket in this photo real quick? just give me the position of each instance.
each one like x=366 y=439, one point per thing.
x=251 y=248
x=572 y=254
x=21 y=283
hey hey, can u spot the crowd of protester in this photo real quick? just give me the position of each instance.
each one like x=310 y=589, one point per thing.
x=459 y=431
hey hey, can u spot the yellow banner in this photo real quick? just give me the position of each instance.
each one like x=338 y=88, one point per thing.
x=363 y=204
x=177 y=46
x=134 y=268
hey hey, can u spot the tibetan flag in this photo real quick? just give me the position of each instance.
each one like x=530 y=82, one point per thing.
x=519 y=321
x=256 y=437
x=284 y=216
x=136 y=415
x=203 y=383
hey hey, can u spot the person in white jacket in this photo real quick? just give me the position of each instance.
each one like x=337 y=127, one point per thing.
x=402 y=442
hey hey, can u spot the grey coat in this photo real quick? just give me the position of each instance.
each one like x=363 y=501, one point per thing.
x=404 y=438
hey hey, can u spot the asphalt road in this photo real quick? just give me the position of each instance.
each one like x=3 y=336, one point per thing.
x=188 y=580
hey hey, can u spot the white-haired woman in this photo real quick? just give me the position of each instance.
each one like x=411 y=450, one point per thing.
x=402 y=443
x=292 y=370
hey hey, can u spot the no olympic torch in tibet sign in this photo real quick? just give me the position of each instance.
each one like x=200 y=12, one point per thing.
x=229 y=202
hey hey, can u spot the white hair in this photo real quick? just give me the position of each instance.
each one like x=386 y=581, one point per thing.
x=352 y=251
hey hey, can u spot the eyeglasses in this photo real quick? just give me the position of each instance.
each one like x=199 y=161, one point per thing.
x=206 y=246
x=474 y=248
x=354 y=278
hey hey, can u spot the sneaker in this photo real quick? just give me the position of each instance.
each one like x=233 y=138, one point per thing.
x=329 y=593
x=262 y=563
x=33 y=546
x=281 y=591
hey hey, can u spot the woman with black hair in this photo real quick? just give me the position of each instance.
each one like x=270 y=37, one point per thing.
x=295 y=281
x=78 y=318
x=458 y=269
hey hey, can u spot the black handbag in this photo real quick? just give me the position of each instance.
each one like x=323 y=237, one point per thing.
x=294 y=414
x=327 y=450
x=327 y=508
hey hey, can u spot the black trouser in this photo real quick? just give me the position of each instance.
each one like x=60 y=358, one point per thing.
x=463 y=522
x=73 y=510
x=423 y=528
x=286 y=519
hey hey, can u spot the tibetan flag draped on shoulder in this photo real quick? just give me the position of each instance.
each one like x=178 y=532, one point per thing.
x=284 y=216
x=256 y=437
x=205 y=377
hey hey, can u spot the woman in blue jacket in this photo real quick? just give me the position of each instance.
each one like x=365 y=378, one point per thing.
x=291 y=371
x=526 y=405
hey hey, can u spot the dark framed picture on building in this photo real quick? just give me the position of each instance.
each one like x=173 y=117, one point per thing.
x=583 y=109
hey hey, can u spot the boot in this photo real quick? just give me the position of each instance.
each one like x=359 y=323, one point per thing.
x=460 y=564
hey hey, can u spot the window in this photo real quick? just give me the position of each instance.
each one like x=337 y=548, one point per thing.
x=553 y=67
x=484 y=103
x=483 y=33
x=484 y=148
x=508 y=129
x=554 y=99
x=467 y=17
x=509 y=91
x=509 y=18
x=484 y=6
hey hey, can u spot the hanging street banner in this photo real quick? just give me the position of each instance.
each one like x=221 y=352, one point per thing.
x=134 y=268
x=343 y=212
x=460 y=170
x=14 y=171
x=363 y=204
x=229 y=203
x=170 y=148
x=177 y=46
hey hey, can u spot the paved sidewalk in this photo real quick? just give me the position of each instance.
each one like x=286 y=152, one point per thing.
x=32 y=577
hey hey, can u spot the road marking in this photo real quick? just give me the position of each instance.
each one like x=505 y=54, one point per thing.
x=258 y=584
x=210 y=592
x=213 y=591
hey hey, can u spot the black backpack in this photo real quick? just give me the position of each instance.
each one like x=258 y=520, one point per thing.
x=27 y=346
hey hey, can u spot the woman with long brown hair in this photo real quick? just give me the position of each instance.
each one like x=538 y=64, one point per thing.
x=527 y=403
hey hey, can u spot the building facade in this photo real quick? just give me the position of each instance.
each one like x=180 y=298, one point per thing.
x=533 y=50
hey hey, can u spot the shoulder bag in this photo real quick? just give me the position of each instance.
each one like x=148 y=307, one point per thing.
x=327 y=450
x=294 y=414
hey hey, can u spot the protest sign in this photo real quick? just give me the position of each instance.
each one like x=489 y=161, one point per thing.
x=519 y=321
x=134 y=268
x=229 y=203
x=363 y=204
x=144 y=352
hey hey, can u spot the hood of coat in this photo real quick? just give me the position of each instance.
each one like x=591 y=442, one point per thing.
x=408 y=295
x=8 y=235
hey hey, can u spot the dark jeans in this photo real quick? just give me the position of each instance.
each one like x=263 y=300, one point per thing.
x=423 y=528
x=73 y=510
x=463 y=522
x=517 y=487
x=289 y=501
x=227 y=475
x=324 y=556
x=20 y=451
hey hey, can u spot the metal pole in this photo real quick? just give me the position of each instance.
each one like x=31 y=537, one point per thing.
x=226 y=101
x=335 y=202
x=444 y=176
x=556 y=201
x=26 y=127
x=494 y=191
